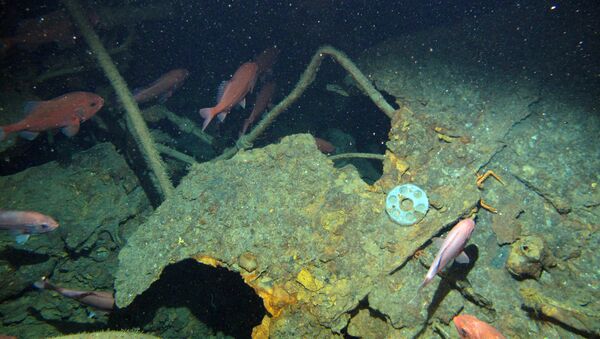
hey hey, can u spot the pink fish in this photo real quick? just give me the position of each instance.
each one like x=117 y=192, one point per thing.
x=234 y=92
x=452 y=248
x=67 y=112
x=163 y=87
x=263 y=99
x=469 y=327
x=25 y=223
x=103 y=301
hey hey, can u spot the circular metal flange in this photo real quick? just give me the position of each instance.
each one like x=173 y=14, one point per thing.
x=407 y=204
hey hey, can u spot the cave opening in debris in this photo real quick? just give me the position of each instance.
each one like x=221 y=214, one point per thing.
x=359 y=126
x=194 y=300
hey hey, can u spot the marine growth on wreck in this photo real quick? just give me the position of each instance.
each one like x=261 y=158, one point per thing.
x=303 y=169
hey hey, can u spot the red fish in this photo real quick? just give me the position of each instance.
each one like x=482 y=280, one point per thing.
x=66 y=112
x=25 y=223
x=324 y=145
x=263 y=99
x=103 y=301
x=234 y=92
x=469 y=327
x=451 y=248
x=266 y=60
x=163 y=87
x=51 y=27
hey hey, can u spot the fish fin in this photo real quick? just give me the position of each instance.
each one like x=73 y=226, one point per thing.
x=165 y=96
x=252 y=84
x=206 y=114
x=28 y=135
x=40 y=284
x=245 y=126
x=462 y=258
x=436 y=263
x=22 y=238
x=29 y=106
x=242 y=103
x=50 y=286
x=221 y=116
x=71 y=130
x=221 y=90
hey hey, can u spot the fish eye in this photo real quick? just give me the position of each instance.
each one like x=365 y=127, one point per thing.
x=45 y=226
x=93 y=104
x=463 y=332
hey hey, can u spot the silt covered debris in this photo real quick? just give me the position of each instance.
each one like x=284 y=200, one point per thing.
x=312 y=240
x=535 y=245
x=317 y=246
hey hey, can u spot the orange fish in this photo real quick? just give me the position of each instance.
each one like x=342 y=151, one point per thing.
x=469 y=327
x=324 y=145
x=263 y=99
x=51 y=27
x=233 y=92
x=163 y=87
x=66 y=112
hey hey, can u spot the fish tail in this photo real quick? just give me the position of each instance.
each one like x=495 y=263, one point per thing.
x=8 y=129
x=419 y=291
x=206 y=114
x=42 y=284
x=245 y=126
